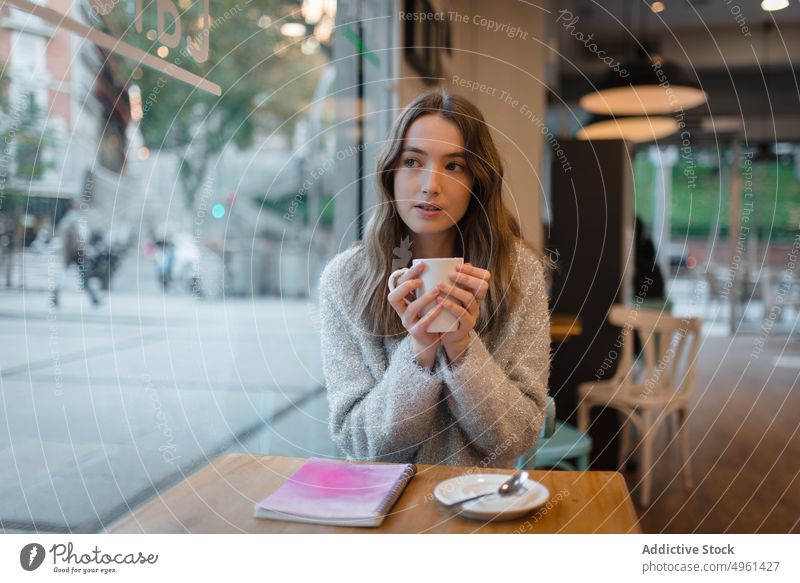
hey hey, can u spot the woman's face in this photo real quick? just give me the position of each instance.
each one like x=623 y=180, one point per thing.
x=432 y=185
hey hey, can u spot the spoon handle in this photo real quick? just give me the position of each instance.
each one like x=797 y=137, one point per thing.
x=470 y=499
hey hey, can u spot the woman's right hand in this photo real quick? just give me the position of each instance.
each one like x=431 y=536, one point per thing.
x=402 y=299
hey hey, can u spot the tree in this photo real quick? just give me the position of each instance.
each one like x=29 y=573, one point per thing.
x=264 y=77
x=23 y=135
x=24 y=139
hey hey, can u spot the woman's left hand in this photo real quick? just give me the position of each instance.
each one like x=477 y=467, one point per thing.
x=463 y=299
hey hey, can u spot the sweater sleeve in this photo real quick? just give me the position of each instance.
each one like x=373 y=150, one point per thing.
x=499 y=399
x=380 y=417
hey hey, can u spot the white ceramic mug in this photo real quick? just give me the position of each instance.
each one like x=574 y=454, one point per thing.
x=437 y=270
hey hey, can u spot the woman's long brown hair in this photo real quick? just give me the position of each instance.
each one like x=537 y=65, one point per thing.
x=487 y=232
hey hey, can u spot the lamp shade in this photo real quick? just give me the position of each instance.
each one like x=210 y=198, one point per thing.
x=773 y=5
x=639 y=129
x=649 y=88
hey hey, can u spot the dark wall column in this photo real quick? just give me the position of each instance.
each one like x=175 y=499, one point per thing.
x=590 y=234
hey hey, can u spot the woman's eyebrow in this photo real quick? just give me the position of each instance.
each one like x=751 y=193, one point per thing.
x=424 y=153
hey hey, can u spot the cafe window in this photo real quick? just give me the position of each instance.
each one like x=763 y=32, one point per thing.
x=211 y=160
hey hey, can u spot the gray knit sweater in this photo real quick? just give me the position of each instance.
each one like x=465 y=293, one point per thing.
x=484 y=411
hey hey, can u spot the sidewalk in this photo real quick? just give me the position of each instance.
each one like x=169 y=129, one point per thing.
x=103 y=408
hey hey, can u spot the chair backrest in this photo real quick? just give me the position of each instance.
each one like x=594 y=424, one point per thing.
x=714 y=284
x=549 y=425
x=669 y=349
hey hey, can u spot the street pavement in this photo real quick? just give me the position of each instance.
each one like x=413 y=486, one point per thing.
x=103 y=408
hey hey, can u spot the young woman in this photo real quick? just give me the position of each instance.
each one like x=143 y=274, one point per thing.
x=475 y=396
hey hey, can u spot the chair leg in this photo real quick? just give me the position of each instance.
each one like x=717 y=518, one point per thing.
x=582 y=463
x=625 y=441
x=672 y=430
x=683 y=436
x=583 y=416
x=646 y=461
x=526 y=461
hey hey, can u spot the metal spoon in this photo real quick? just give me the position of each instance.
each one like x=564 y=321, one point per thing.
x=510 y=486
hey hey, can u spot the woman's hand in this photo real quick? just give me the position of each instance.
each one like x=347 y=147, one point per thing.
x=463 y=299
x=409 y=308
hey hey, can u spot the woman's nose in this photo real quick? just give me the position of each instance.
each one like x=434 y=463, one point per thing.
x=431 y=181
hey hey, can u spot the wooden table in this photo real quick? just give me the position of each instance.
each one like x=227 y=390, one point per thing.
x=220 y=498
x=564 y=326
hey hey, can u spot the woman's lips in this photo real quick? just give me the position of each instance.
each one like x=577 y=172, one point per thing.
x=427 y=210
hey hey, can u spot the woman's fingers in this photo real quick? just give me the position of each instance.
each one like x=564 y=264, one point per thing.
x=479 y=286
x=398 y=298
x=466 y=297
x=426 y=320
x=409 y=316
x=459 y=312
x=411 y=273
x=477 y=272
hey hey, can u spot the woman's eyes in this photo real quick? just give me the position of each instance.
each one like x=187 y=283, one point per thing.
x=451 y=166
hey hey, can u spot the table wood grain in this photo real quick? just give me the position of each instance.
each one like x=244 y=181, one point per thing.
x=565 y=326
x=220 y=497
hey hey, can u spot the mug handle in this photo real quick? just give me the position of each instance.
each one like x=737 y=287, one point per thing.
x=392 y=283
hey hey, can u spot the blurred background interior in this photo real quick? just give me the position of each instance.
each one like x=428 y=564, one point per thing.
x=205 y=220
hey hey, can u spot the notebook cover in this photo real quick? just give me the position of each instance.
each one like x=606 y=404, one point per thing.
x=333 y=490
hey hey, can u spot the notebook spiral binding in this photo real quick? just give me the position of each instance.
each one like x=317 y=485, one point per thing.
x=395 y=492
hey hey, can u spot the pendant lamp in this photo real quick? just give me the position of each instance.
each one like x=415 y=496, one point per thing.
x=774 y=5
x=637 y=129
x=649 y=88
x=650 y=85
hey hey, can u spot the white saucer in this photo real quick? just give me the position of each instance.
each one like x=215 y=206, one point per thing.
x=494 y=507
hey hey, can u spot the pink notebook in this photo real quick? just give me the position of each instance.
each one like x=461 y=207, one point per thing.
x=337 y=493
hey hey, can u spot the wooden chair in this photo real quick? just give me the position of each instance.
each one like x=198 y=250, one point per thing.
x=648 y=390
x=559 y=445
x=566 y=448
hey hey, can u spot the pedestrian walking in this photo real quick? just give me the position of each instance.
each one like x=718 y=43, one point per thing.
x=73 y=234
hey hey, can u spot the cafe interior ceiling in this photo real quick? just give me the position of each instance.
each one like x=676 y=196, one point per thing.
x=746 y=62
x=605 y=16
